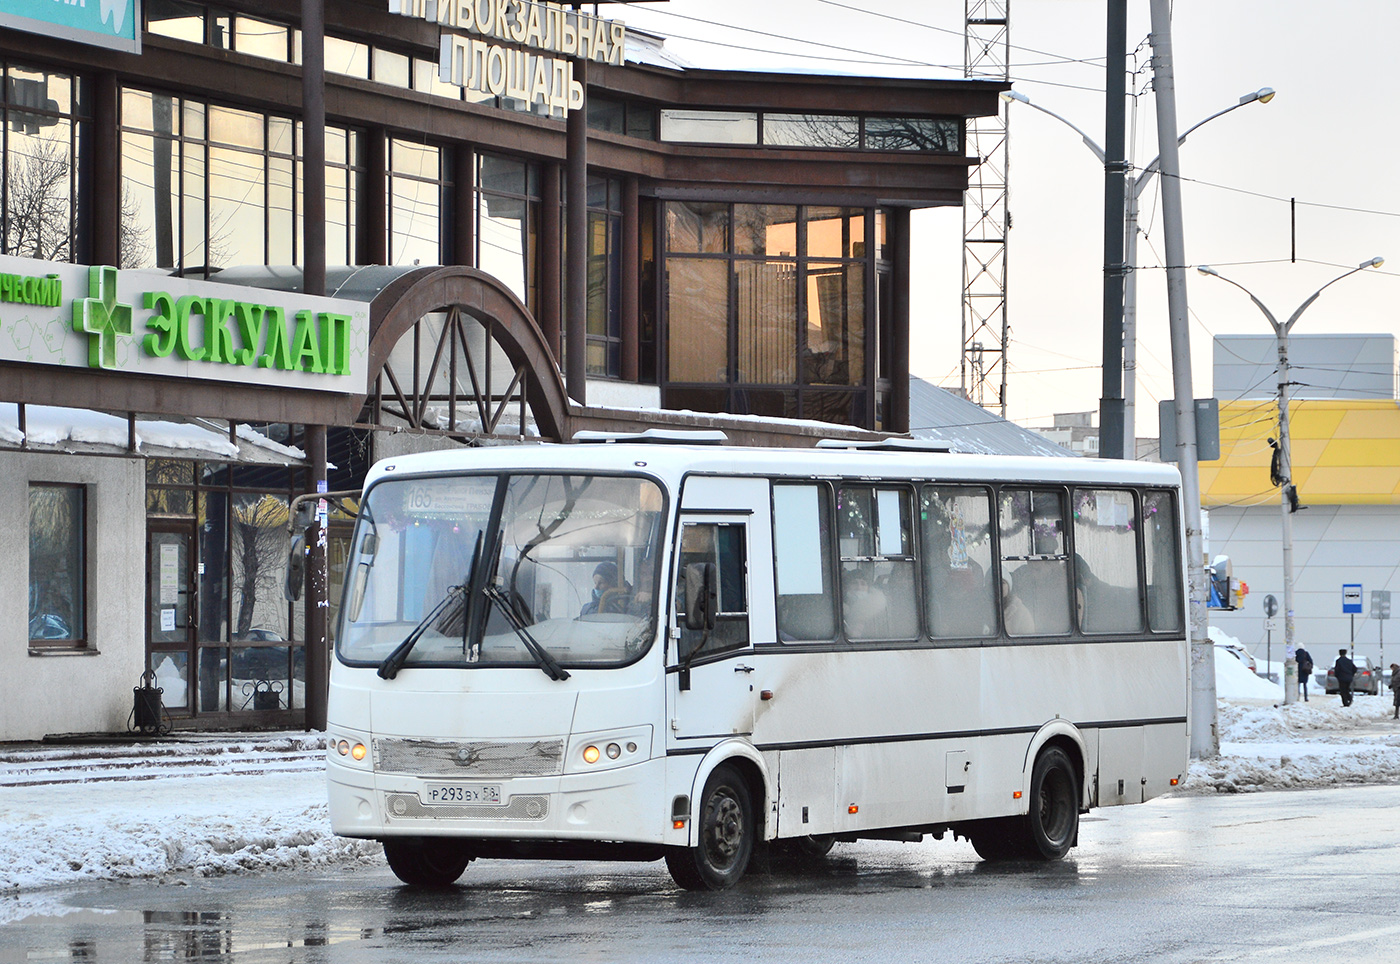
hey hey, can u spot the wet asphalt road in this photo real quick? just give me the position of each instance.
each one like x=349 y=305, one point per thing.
x=1279 y=877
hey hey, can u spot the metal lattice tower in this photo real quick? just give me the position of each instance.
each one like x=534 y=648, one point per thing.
x=986 y=217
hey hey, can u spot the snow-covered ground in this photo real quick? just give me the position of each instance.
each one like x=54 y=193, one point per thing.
x=210 y=805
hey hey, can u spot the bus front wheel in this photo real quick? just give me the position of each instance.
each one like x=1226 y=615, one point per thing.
x=725 y=835
x=1052 y=823
x=428 y=861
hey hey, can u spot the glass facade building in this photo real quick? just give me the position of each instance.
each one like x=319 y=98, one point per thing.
x=745 y=251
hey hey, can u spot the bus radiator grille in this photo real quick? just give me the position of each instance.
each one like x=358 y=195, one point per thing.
x=514 y=758
x=407 y=806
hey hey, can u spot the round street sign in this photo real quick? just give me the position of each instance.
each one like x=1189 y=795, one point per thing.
x=1270 y=606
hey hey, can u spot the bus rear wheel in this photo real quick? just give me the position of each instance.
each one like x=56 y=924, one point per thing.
x=427 y=861
x=1051 y=825
x=725 y=835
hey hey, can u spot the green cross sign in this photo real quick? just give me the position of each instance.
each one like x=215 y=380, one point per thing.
x=101 y=317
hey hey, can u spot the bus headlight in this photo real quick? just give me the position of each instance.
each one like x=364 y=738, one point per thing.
x=348 y=751
x=603 y=751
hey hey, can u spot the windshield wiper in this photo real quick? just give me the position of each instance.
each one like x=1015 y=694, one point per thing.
x=546 y=662
x=395 y=660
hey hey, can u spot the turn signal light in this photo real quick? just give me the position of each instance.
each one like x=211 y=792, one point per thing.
x=1175 y=781
x=853 y=809
x=677 y=824
x=591 y=754
x=1015 y=794
x=358 y=751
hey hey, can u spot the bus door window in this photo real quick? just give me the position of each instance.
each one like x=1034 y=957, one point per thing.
x=802 y=552
x=1163 y=561
x=1107 y=584
x=1034 y=564
x=959 y=599
x=723 y=545
x=876 y=533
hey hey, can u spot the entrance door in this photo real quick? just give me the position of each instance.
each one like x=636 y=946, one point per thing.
x=171 y=628
x=713 y=686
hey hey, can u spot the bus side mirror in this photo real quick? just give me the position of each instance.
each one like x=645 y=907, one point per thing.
x=296 y=568
x=304 y=515
x=701 y=595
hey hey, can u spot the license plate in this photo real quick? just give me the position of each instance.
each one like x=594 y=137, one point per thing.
x=481 y=795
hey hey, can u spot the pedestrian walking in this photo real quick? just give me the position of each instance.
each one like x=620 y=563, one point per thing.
x=1305 y=666
x=1395 y=688
x=1345 y=671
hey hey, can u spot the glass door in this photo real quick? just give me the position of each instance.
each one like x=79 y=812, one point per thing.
x=170 y=626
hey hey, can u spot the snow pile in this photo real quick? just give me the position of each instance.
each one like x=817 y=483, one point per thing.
x=1301 y=745
x=1234 y=681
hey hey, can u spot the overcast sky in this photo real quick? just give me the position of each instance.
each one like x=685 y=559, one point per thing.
x=1329 y=139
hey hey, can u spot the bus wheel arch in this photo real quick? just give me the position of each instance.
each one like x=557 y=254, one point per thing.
x=728 y=819
x=1067 y=737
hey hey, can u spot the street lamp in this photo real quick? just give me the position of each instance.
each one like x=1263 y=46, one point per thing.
x=1288 y=493
x=1135 y=191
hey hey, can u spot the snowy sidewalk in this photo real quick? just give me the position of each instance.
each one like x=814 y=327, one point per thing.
x=184 y=806
x=211 y=804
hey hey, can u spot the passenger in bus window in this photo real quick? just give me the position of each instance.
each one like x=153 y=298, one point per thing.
x=864 y=609
x=1015 y=613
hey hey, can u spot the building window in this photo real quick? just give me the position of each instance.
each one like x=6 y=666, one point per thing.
x=846 y=132
x=419 y=188
x=771 y=301
x=44 y=122
x=507 y=223
x=206 y=186
x=57 y=565
x=604 y=266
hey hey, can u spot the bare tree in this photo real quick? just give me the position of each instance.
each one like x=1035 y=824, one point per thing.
x=39 y=203
x=259 y=554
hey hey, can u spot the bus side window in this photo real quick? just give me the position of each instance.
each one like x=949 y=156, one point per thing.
x=958 y=594
x=1106 y=579
x=1034 y=567
x=722 y=544
x=1159 y=532
x=876 y=531
x=802 y=552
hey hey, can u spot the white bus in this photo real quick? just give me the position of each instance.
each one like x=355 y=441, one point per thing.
x=680 y=651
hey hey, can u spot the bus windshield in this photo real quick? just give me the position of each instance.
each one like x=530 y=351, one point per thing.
x=520 y=569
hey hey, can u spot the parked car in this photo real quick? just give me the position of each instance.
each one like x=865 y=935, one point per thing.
x=1368 y=678
x=1241 y=654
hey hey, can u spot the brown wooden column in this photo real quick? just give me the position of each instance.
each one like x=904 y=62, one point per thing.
x=551 y=257
x=372 y=242
x=899 y=324
x=576 y=222
x=106 y=184
x=630 y=278
x=464 y=205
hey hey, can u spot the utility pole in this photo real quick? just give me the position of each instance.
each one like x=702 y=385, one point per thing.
x=1115 y=171
x=1205 y=735
x=1288 y=493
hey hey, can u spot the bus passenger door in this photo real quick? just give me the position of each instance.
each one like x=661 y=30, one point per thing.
x=712 y=670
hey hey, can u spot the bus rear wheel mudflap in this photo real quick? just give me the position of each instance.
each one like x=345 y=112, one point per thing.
x=724 y=835
x=427 y=861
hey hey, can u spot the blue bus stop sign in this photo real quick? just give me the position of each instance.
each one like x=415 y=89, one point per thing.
x=1351 y=597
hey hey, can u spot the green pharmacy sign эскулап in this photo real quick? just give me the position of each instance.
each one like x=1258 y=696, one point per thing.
x=145 y=322
x=115 y=24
